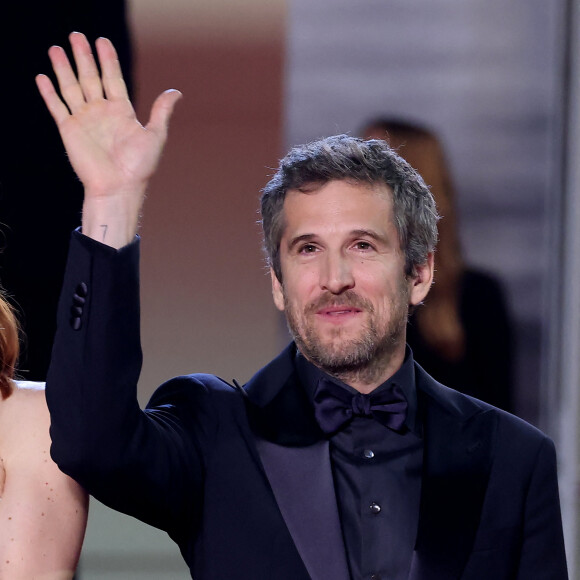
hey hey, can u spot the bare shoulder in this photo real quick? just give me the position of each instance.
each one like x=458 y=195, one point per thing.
x=25 y=394
x=24 y=421
x=43 y=512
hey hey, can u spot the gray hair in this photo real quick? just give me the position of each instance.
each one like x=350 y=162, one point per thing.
x=370 y=162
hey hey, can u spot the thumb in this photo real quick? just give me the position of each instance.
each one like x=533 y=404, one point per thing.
x=162 y=110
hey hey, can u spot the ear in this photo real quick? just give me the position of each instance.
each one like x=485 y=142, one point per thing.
x=420 y=282
x=277 y=291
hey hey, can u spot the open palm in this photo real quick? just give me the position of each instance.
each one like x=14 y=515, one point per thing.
x=109 y=149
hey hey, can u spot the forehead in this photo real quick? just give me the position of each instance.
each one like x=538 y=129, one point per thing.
x=339 y=203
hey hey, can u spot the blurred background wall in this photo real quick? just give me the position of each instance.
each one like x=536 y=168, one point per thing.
x=495 y=80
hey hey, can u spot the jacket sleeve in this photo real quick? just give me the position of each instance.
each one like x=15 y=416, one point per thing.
x=543 y=556
x=144 y=463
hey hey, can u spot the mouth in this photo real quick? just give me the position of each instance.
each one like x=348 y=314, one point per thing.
x=338 y=311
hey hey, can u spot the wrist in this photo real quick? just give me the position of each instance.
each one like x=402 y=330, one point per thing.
x=113 y=219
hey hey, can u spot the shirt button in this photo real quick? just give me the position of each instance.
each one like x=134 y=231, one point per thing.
x=375 y=508
x=375 y=577
x=368 y=453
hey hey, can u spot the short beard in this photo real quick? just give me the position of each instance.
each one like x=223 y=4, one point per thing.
x=364 y=357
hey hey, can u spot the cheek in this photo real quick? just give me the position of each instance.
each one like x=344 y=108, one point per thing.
x=384 y=292
x=301 y=286
x=374 y=282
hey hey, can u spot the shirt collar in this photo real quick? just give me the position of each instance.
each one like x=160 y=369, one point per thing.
x=310 y=374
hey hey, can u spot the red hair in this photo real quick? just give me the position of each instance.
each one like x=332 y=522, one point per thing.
x=9 y=347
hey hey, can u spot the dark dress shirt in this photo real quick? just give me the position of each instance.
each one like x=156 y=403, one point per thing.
x=377 y=480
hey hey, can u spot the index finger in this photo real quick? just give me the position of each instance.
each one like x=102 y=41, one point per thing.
x=111 y=74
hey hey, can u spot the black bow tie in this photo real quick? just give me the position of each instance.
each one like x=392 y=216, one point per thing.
x=334 y=406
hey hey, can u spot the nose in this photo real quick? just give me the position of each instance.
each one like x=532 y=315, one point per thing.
x=336 y=275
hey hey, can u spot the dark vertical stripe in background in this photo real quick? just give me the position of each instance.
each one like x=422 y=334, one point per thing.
x=40 y=198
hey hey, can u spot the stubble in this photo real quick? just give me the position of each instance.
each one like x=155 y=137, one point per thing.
x=353 y=359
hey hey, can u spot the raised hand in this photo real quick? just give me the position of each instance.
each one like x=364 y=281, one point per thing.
x=111 y=152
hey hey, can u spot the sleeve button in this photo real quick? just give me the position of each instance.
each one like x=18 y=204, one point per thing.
x=82 y=290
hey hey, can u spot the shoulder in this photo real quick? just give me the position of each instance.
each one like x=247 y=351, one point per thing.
x=260 y=389
x=24 y=432
x=26 y=402
x=194 y=393
x=28 y=397
x=463 y=407
x=198 y=405
x=24 y=418
x=193 y=385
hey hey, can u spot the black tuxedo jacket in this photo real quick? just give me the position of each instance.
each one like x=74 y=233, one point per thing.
x=241 y=478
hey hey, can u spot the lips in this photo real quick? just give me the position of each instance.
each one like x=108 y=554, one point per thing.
x=337 y=307
x=338 y=310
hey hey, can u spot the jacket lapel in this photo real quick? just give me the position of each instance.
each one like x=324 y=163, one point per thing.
x=459 y=436
x=301 y=480
x=296 y=460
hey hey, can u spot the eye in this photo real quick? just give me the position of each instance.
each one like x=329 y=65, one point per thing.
x=307 y=249
x=363 y=245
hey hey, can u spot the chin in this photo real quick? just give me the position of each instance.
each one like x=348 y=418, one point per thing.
x=346 y=355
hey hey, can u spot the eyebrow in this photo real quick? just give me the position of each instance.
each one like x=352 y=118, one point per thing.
x=368 y=233
x=298 y=239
